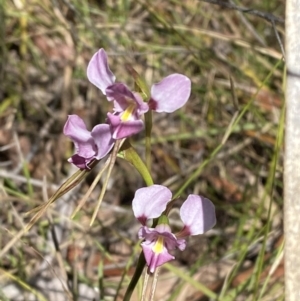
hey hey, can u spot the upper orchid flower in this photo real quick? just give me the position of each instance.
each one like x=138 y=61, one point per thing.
x=197 y=214
x=166 y=96
x=89 y=145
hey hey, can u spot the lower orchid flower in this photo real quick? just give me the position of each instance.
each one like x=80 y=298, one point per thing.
x=88 y=145
x=167 y=96
x=197 y=214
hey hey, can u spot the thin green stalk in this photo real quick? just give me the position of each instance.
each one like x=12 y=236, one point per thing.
x=28 y=177
x=126 y=269
x=148 y=130
x=129 y=154
x=278 y=257
x=100 y=280
x=270 y=184
x=135 y=278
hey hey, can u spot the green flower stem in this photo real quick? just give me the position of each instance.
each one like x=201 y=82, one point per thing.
x=135 y=278
x=148 y=122
x=129 y=154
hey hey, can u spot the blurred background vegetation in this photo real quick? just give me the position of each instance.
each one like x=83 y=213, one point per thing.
x=225 y=144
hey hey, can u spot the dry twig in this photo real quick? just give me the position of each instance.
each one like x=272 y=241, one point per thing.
x=264 y=15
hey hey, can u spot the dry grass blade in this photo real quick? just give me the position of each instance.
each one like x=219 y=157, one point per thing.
x=13 y=241
x=145 y=286
x=154 y=284
x=91 y=188
x=112 y=160
x=40 y=210
x=63 y=189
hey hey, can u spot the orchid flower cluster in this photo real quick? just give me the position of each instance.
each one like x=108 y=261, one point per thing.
x=153 y=202
x=197 y=214
x=167 y=96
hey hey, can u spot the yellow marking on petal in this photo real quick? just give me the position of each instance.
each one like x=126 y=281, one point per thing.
x=128 y=112
x=159 y=245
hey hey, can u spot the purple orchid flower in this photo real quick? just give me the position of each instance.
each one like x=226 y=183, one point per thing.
x=197 y=214
x=88 y=145
x=166 y=96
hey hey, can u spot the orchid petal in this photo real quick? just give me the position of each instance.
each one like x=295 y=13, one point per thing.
x=114 y=120
x=122 y=96
x=98 y=71
x=197 y=214
x=103 y=140
x=142 y=107
x=78 y=161
x=75 y=129
x=181 y=244
x=158 y=242
x=170 y=240
x=170 y=94
x=122 y=129
x=153 y=259
x=151 y=234
x=150 y=202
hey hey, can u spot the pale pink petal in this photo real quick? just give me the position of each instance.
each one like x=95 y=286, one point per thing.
x=153 y=259
x=142 y=107
x=98 y=71
x=121 y=95
x=75 y=129
x=152 y=233
x=103 y=140
x=197 y=214
x=170 y=240
x=150 y=202
x=122 y=129
x=114 y=120
x=128 y=128
x=123 y=98
x=158 y=242
x=170 y=94
x=181 y=244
